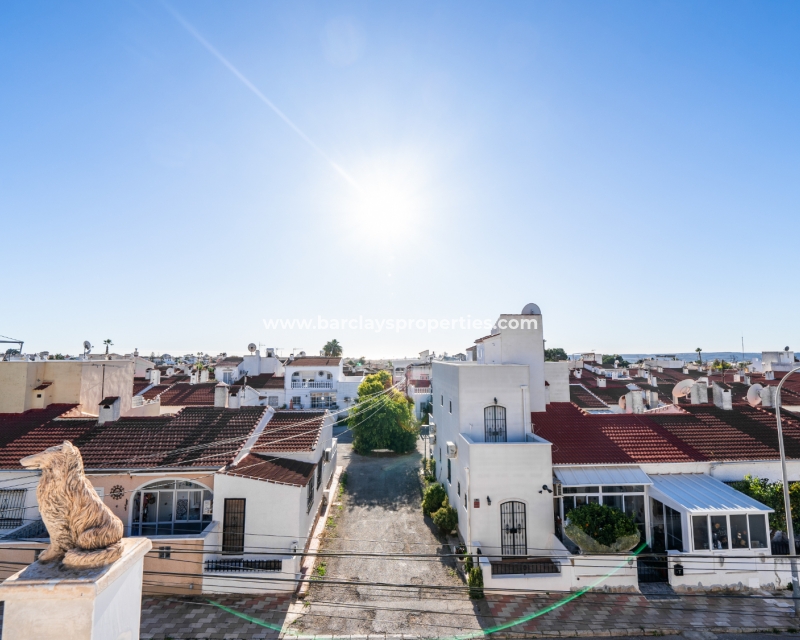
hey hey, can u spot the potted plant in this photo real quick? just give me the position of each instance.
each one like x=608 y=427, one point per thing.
x=597 y=528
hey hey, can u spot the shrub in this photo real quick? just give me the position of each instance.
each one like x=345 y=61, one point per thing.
x=475 y=582
x=603 y=524
x=433 y=498
x=445 y=518
x=468 y=565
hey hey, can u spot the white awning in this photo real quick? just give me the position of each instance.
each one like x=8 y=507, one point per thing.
x=699 y=493
x=591 y=476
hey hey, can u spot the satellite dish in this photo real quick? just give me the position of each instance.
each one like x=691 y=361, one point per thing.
x=87 y=346
x=786 y=348
x=754 y=395
x=531 y=309
x=251 y=347
x=683 y=388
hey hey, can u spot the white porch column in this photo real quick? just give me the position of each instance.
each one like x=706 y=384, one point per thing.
x=52 y=602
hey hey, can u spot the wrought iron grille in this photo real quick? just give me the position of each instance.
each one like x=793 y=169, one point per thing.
x=534 y=565
x=12 y=508
x=512 y=524
x=319 y=472
x=310 y=502
x=233 y=526
x=238 y=564
x=494 y=424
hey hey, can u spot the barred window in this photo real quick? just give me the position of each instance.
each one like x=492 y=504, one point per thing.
x=310 y=502
x=319 y=471
x=12 y=508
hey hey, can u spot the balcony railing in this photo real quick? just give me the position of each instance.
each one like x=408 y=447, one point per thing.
x=421 y=390
x=303 y=384
x=518 y=567
x=239 y=564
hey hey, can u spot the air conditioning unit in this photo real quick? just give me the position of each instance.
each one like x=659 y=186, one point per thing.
x=432 y=428
x=328 y=454
x=452 y=450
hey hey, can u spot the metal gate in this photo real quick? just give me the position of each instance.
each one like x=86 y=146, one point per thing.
x=233 y=526
x=652 y=567
x=512 y=525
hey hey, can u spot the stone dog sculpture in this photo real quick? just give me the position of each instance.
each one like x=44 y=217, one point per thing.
x=83 y=531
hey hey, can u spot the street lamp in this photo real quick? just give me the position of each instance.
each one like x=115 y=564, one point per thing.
x=786 y=504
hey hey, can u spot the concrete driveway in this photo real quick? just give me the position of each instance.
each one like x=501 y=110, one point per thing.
x=381 y=513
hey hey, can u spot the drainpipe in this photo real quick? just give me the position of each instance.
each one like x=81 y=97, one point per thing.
x=469 y=515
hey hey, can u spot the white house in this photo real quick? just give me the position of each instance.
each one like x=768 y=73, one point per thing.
x=319 y=382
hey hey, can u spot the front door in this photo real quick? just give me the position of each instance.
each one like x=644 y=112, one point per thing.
x=512 y=529
x=233 y=526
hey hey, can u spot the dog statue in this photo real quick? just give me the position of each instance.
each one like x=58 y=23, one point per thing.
x=84 y=533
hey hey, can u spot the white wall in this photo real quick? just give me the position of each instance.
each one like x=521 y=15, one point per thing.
x=557 y=375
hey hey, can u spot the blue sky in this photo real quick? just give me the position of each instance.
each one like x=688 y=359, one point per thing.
x=630 y=167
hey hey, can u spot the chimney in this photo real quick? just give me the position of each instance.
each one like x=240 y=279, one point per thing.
x=204 y=375
x=155 y=376
x=193 y=377
x=601 y=382
x=109 y=410
x=652 y=399
x=722 y=396
x=634 y=402
x=769 y=375
x=686 y=371
x=699 y=393
x=221 y=395
x=768 y=396
x=737 y=377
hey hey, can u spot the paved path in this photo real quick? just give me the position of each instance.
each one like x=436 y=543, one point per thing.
x=381 y=513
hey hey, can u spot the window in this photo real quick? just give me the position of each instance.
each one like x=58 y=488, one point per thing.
x=719 y=532
x=272 y=401
x=310 y=500
x=451 y=406
x=442 y=400
x=739 y=537
x=319 y=472
x=164 y=553
x=12 y=508
x=758 y=531
x=297 y=402
x=440 y=454
x=233 y=526
x=459 y=488
x=700 y=532
x=674 y=529
x=465 y=500
x=170 y=507
x=494 y=424
x=448 y=469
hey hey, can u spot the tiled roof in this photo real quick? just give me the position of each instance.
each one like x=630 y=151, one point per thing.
x=607 y=438
x=185 y=394
x=703 y=433
x=139 y=386
x=581 y=397
x=270 y=469
x=314 y=361
x=291 y=431
x=491 y=335
x=230 y=361
x=265 y=381
x=15 y=425
x=196 y=437
x=157 y=390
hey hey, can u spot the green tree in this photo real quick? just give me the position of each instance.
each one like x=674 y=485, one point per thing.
x=555 y=354
x=108 y=344
x=602 y=523
x=383 y=418
x=771 y=494
x=446 y=518
x=332 y=349
x=699 y=355
x=610 y=360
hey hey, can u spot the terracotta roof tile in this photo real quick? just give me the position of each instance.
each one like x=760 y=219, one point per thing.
x=314 y=361
x=291 y=431
x=269 y=469
x=184 y=394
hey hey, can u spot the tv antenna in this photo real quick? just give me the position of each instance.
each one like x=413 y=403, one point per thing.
x=7 y=340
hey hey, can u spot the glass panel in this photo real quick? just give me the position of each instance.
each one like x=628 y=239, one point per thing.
x=674 y=529
x=167 y=484
x=569 y=504
x=165 y=506
x=758 y=531
x=182 y=506
x=195 y=505
x=634 y=507
x=700 y=532
x=581 y=489
x=613 y=501
x=634 y=488
x=149 y=507
x=185 y=484
x=137 y=506
x=739 y=539
x=208 y=506
x=657 y=526
x=719 y=532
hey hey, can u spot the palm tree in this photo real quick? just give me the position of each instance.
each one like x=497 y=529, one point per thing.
x=700 y=355
x=108 y=344
x=332 y=349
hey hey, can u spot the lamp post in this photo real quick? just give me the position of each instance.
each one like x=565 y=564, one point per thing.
x=786 y=503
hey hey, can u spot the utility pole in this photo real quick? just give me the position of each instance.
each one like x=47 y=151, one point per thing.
x=786 y=502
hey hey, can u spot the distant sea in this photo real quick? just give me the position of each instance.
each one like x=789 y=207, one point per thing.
x=728 y=356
